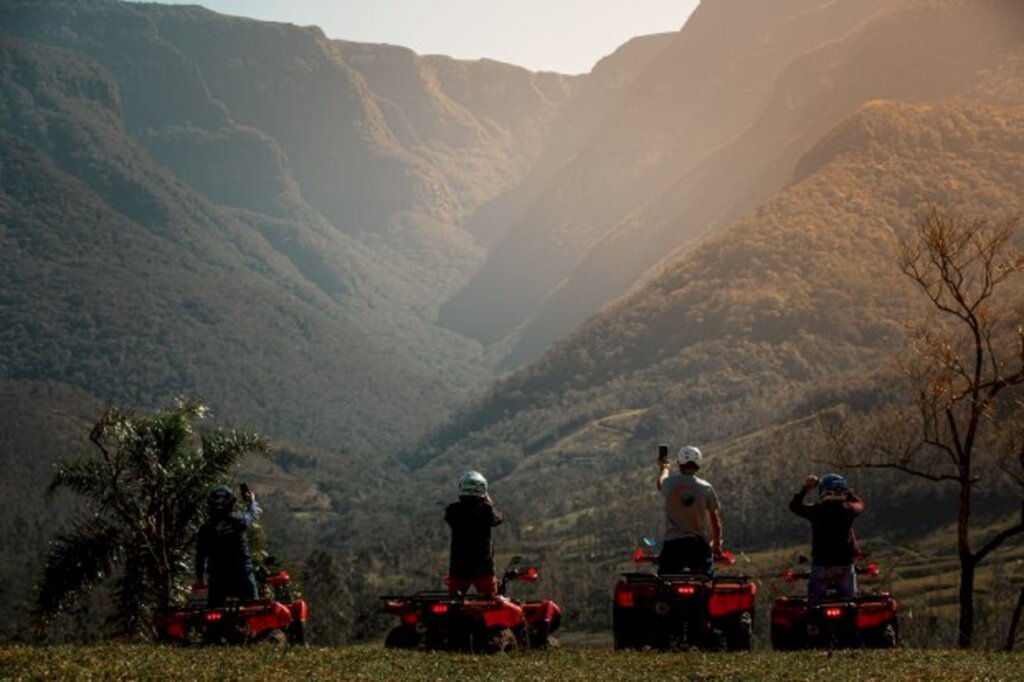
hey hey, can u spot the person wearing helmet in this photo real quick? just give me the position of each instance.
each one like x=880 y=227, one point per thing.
x=693 y=524
x=471 y=562
x=833 y=542
x=222 y=550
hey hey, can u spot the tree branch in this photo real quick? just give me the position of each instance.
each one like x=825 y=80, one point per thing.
x=998 y=539
x=937 y=478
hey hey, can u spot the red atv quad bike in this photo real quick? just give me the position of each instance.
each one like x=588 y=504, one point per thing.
x=474 y=623
x=682 y=611
x=280 y=619
x=867 y=620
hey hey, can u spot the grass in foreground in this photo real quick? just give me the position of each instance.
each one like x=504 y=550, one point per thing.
x=371 y=663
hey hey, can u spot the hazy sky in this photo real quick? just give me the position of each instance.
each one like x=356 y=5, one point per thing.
x=568 y=36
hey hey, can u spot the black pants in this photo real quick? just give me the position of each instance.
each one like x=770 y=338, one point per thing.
x=239 y=584
x=685 y=555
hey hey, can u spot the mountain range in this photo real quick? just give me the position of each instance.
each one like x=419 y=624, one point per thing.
x=403 y=266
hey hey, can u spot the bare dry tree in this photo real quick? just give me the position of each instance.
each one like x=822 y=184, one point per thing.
x=963 y=366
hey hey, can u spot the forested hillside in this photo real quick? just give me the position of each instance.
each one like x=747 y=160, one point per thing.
x=796 y=308
x=297 y=237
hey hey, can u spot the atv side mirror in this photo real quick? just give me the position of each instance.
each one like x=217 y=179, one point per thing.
x=529 y=575
x=649 y=541
x=278 y=579
x=870 y=570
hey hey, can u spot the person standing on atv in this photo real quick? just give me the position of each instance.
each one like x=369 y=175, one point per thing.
x=471 y=562
x=693 y=524
x=222 y=550
x=833 y=543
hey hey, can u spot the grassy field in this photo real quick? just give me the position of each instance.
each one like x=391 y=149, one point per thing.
x=372 y=663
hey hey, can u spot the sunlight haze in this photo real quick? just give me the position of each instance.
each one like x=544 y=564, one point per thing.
x=568 y=36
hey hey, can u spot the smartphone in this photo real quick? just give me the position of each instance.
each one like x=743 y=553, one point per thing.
x=663 y=454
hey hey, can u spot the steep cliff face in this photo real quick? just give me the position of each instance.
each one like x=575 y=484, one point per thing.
x=912 y=54
x=698 y=92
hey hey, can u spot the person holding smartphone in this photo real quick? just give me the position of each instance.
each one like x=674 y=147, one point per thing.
x=471 y=560
x=833 y=543
x=222 y=550
x=693 y=522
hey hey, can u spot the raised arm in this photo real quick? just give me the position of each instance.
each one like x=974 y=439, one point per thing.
x=252 y=511
x=663 y=474
x=797 y=504
x=496 y=516
x=854 y=504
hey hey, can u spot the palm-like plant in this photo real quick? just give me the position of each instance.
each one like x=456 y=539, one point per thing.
x=143 y=485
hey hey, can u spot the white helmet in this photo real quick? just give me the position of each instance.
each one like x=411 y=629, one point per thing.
x=689 y=455
x=472 y=483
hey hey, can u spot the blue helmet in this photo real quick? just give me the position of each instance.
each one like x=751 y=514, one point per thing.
x=832 y=483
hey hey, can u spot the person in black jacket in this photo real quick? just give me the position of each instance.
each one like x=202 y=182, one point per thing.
x=833 y=543
x=222 y=550
x=471 y=562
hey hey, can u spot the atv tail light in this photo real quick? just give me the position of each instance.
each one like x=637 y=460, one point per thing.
x=788 y=616
x=873 y=615
x=871 y=570
x=686 y=590
x=725 y=602
x=624 y=598
x=439 y=609
x=834 y=612
x=627 y=593
x=214 y=616
x=410 y=618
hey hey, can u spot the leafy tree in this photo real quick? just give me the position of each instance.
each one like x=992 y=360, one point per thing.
x=964 y=421
x=143 y=486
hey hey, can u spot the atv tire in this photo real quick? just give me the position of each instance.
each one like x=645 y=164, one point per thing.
x=274 y=638
x=297 y=633
x=624 y=642
x=539 y=638
x=402 y=637
x=738 y=633
x=887 y=637
x=502 y=641
x=783 y=640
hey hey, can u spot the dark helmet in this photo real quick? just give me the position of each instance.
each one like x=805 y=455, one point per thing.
x=221 y=499
x=832 y=484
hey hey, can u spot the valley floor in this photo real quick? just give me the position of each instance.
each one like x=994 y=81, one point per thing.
x=373 y=663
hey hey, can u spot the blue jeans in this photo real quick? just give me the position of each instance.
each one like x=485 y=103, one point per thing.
x=832 y=581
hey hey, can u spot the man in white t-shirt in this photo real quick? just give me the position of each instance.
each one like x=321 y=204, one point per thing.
x=693 y=525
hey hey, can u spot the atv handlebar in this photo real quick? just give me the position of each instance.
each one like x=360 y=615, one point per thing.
x=789 y=575
x=725 y=558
